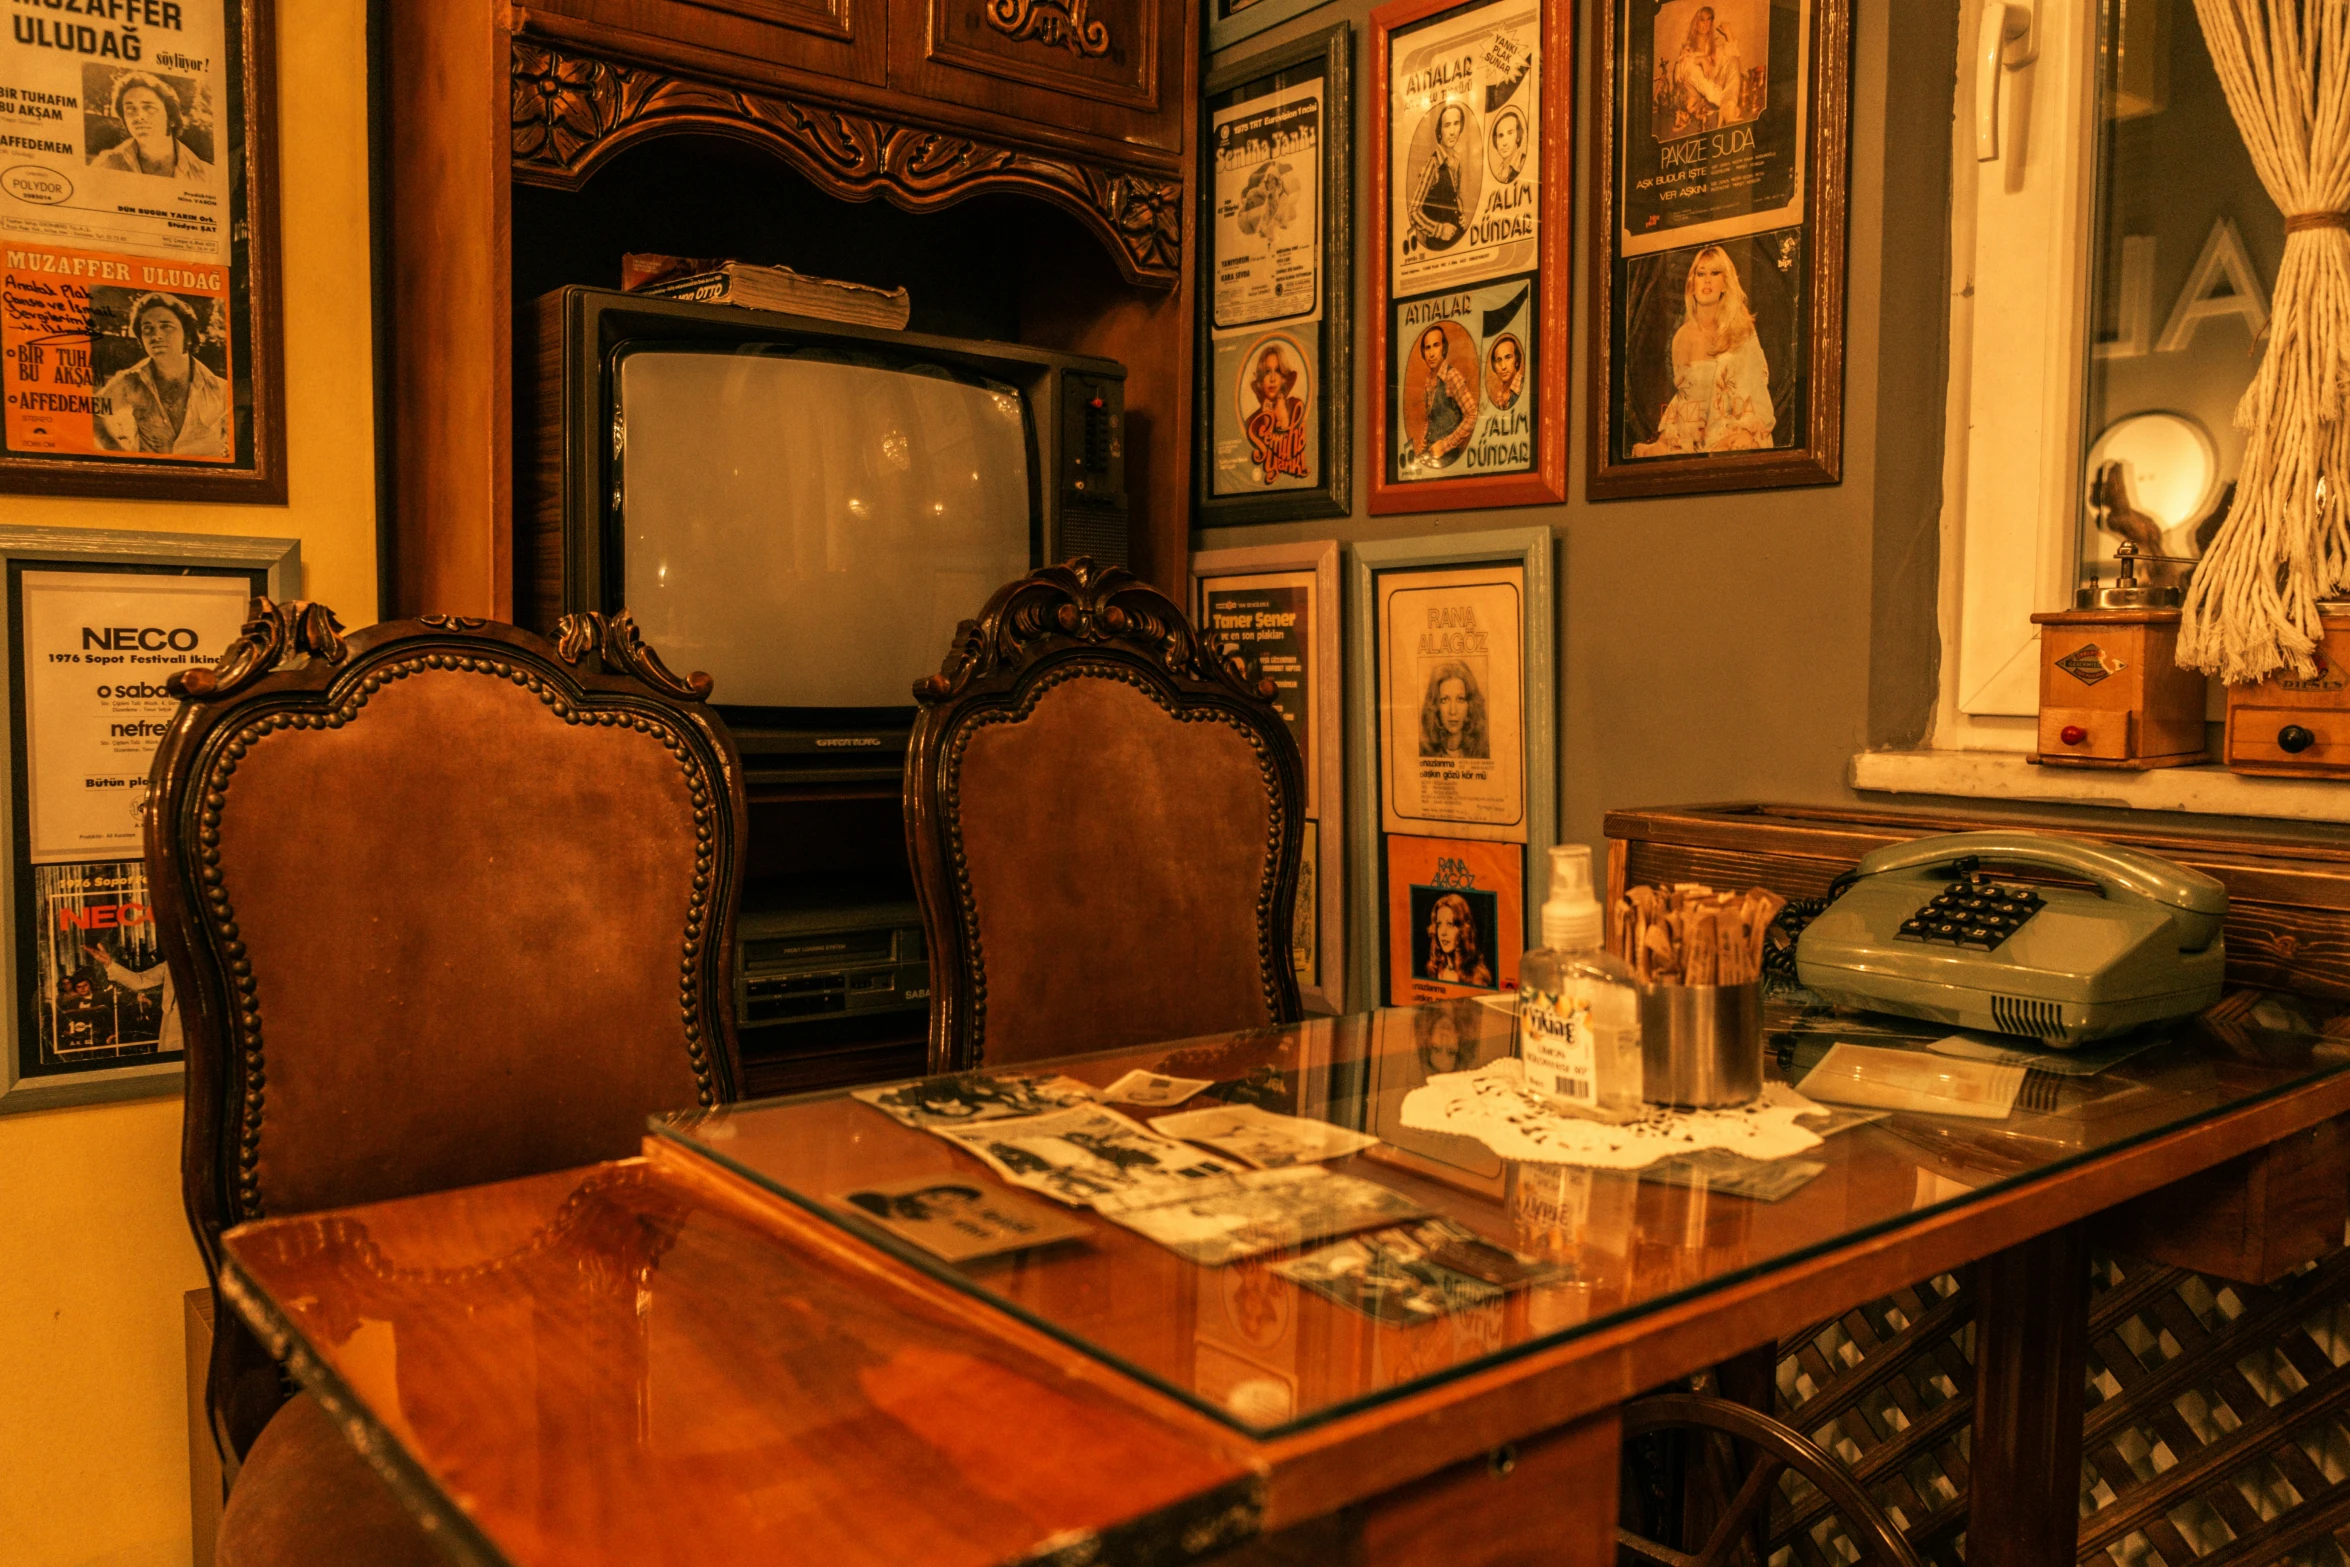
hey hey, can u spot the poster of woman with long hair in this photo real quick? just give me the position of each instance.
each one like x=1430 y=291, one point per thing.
x=1451 y=687
x=1710 y=354
x=1718 y=339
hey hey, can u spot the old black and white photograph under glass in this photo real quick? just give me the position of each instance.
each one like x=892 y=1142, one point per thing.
x=97 y=624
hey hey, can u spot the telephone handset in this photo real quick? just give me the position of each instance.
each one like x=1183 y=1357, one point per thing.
x=1925 y=930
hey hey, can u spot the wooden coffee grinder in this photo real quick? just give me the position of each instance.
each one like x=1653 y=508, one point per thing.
x=2112 y=693
x=2297 y=725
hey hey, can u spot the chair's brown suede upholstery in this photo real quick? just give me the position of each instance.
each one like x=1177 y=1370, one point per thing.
x=306 y=1496
x=1104 y=822
x=444 y=904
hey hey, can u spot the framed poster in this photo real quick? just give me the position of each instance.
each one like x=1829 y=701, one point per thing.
x=139 y=285
x=1230 y=21
x=1276 y=605
x=1456 y=918
x=1453 y=713
x=97 y=623
x=1452 y=739
x=1717 y=328
x=1471 y=204
x=1276 y=291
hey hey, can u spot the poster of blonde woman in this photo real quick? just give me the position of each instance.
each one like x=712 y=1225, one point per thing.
x=1451 y=701
x=1710 y=350
x=1712 y=111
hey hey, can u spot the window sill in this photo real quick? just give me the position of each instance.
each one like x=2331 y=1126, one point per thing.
x=2007 y=775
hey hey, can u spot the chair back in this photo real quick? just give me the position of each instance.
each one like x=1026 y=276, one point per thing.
x=1103 y=817
x=444 y=903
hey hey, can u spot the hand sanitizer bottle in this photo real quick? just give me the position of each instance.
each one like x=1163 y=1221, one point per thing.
x=1578 y=1005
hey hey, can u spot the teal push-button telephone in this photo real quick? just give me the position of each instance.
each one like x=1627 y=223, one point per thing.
x=1924 y=929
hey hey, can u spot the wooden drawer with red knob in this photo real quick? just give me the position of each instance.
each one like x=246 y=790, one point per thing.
x=2297 y=726
x=2112 y=693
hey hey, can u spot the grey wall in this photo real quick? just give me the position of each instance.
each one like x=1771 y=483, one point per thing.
x=1729 y=647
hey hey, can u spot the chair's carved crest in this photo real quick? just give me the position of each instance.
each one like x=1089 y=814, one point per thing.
x=1080 y=602
x=274 y=636
x=615 y=641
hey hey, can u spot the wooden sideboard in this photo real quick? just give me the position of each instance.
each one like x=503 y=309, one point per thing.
x=1082 y=104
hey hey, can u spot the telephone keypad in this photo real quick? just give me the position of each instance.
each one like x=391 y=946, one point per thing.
x=1973 y=911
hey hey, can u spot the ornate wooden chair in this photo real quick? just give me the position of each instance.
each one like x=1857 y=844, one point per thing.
x=1104 y=821
x=444 y=903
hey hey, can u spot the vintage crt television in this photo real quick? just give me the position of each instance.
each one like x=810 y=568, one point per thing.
x=801 y=508
x=805 y=510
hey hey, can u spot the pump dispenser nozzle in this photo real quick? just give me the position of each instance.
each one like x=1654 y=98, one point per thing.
x=1571 y=918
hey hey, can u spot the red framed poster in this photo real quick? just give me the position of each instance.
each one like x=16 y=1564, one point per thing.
x=1472 y=151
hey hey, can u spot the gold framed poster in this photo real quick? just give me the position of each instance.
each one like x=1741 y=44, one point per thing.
x=139 y=332
x=1718 y=246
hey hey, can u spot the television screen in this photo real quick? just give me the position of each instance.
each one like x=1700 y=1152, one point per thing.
x=808 y=527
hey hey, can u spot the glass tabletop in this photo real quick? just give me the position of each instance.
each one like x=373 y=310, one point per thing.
x=1431 y=1255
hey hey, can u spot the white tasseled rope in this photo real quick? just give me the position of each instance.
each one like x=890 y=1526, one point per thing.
x=2251 y=608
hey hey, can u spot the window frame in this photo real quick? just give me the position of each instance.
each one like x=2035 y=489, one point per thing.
x=2012 y=438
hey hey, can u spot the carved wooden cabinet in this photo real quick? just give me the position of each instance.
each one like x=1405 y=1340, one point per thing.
x=842 y=39
x=1085 y=104
x=1106 y=68
x=1079 y=102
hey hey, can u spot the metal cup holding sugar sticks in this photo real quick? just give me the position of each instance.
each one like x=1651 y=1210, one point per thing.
x=1699 y=955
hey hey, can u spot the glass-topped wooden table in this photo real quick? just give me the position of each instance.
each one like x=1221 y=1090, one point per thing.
x=709 y=1354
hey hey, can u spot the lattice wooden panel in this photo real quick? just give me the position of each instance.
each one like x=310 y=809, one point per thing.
x=2219 y=1426
x=2218 y=1430
x=1888 y=1389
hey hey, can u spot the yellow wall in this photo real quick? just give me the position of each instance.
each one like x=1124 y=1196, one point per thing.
x=94 y=1250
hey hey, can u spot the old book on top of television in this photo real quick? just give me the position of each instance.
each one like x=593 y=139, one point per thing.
x=757 y=287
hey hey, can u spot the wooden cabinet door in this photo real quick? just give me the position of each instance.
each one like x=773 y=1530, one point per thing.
x=1110 y=69
x=837 y=38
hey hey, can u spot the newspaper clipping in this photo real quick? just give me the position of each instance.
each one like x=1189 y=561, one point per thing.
x=1713 y=109
x=1268 y=171
x=1268 y=262
x=974 y=1096
x=96 y=648
x=1452 y=714
x=1083 y=1156
x=1247 y=1214
x=1465 y=148
x=101 y=995
x=1465 y=382
x=115 y=298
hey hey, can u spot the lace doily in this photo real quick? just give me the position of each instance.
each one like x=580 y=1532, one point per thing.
x=1493 y=1105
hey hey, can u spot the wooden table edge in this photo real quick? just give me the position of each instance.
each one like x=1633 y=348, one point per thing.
x=1329 y=1465
x=1363 y=1453
x=435 y=1511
